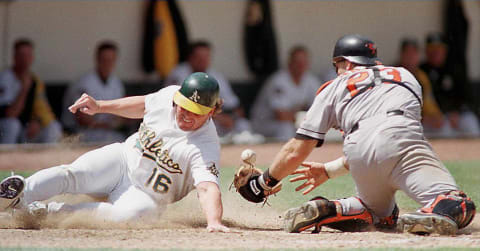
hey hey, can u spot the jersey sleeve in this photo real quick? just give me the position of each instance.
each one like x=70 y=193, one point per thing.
x=321 y=115
x=154 y=100
x=205 y=168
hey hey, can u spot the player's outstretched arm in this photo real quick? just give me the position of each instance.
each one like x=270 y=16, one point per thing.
x=129 y=107
x=210 y=199
x=292 y=154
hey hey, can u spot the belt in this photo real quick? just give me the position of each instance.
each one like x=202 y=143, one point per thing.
x=389 y=114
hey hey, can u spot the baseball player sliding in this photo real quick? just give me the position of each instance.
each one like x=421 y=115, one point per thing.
x=175 y=150
x=379 y=109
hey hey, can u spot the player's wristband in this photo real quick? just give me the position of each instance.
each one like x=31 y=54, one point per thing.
x=266 y=181
x=336 y=168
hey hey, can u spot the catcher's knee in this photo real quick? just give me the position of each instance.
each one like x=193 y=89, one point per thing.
x=455 y=205
x=356 y=218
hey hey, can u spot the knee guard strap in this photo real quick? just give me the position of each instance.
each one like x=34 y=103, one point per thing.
x=388 y=222
x=455 y=205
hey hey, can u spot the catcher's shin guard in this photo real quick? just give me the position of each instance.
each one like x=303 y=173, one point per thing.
x=323 y=212
x=448 y=213
x=454 y=205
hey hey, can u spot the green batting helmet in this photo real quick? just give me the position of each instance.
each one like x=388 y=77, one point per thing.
x=198 y=93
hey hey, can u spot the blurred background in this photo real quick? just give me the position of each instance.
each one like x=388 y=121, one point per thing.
x=248 y=41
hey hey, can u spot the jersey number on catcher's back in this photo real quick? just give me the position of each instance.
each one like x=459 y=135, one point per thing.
x=362 y=76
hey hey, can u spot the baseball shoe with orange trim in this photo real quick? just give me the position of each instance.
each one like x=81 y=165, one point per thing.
x=426 y=223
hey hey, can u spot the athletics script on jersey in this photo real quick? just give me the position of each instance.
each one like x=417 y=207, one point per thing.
x=152 y=149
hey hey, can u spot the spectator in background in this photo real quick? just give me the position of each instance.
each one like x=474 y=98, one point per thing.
x=231 y=123
x=459 y=120
x=432 y=117
x=285 y=93
x=101 y=84
x=25 y=114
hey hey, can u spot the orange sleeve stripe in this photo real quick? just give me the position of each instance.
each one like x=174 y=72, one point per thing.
x=323 y=86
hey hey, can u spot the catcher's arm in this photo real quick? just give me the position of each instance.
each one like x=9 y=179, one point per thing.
x=315 y=173
x=210 y=199
x=292 y=154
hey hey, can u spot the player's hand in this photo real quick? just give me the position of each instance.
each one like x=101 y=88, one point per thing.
x=314 y=175
x=85 y=104
x=218 y=227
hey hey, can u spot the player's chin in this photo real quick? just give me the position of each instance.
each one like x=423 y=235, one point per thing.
x=186 y=126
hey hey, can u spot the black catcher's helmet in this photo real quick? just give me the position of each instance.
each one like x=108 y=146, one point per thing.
x=356 y=49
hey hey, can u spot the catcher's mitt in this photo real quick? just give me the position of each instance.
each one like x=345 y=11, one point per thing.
x=249 y=183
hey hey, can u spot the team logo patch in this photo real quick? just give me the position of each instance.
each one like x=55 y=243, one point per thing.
x=195 y=97
x=372 y=47
x=213 y=169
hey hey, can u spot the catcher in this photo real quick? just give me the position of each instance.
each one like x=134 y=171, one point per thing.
x=379 y=109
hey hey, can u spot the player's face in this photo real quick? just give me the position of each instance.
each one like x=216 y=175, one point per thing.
x=200 y=59
x=189 y=121
x=106 y=62
x=410 y=57
x=436 y=55
x=23 y=57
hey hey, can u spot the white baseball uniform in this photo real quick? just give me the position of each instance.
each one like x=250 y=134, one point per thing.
x=281 y=93
x=384 y=143
x=159 y=164
x=92 y=85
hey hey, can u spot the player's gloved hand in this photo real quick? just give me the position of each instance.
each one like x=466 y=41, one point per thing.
x=251 y=183
x=211 y=228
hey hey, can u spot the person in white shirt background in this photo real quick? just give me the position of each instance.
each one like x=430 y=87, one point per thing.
x=285 y=93
x=100 y=83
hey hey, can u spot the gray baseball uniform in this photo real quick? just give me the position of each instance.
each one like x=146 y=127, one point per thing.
x=384 y=143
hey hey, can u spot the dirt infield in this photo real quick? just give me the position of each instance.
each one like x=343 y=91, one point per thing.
x=183 y=226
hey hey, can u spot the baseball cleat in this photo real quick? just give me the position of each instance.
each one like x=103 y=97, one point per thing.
x=301 y=218
x=11 y=189
x=426 y=223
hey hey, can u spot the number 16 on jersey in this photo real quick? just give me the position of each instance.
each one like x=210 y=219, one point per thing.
x=159 y=181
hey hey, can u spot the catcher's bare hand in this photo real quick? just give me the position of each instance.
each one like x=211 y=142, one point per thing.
x=85 y=104
x=314 y=175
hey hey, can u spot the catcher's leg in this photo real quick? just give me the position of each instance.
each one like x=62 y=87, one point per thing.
x=348 y=215
x=445 y=215
x=423 y=177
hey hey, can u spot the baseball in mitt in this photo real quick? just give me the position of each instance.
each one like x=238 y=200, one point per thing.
x=249 y=181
